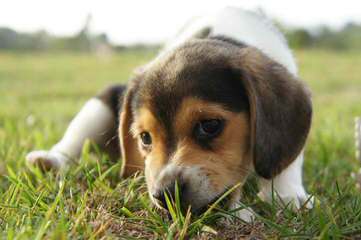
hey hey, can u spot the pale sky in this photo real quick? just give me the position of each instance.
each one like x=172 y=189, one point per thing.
x=129 y=21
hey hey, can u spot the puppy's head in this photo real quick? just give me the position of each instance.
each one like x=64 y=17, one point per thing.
x=208 y=112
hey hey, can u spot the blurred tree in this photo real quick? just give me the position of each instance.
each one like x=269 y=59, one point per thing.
x=8 y=38
x=299 y=38
x=346 y=38
x=82 y=41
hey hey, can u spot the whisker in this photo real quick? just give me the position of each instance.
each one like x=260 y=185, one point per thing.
x=107 y=143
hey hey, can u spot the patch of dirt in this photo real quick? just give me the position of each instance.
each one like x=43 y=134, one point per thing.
x=235 y=230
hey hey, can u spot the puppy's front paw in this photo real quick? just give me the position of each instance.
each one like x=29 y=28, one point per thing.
x=297 y=199
x=246 y=214
x=47 y=159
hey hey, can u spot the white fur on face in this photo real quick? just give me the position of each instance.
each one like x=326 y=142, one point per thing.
x=93 y=122
x=199 y=190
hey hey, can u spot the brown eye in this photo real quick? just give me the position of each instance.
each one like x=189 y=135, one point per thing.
x=208 y=129
x=146 y=139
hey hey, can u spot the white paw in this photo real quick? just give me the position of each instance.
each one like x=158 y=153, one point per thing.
x=246 y=214
x=47 y=159
x=297 y=200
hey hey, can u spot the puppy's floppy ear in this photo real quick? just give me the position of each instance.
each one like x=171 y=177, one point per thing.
x=132 y=160
x=280 y=111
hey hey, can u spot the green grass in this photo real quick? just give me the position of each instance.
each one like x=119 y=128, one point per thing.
x=39 y=94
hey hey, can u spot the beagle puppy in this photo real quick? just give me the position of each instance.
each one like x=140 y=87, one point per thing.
x=220 y=102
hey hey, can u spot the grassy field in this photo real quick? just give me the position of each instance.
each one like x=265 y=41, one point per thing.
x=39 y=94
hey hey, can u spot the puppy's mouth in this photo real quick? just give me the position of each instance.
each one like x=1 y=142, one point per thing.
x=216 y=200
x=220 y=200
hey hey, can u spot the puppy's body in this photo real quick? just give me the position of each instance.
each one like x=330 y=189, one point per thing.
x=220 y=101
x=244 y=26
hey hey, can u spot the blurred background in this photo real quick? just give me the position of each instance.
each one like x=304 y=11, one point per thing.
x=92 y=26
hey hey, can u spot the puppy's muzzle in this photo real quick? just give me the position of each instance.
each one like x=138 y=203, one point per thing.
x=185 y=203
x=170 y=191
x=193 y=187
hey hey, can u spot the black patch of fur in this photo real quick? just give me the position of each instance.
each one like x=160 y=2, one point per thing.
x=113 y=97
x=228 y=40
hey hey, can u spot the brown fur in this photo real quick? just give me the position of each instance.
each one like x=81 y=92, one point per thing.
x=227 y=164
x=145 y=121
x=132 y=161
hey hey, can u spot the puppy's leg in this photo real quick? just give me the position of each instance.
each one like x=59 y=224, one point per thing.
x=96 y=121
x=287 y=186
x=246 y=214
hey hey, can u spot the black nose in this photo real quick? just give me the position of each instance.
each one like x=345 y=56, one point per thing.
x=170 y=190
